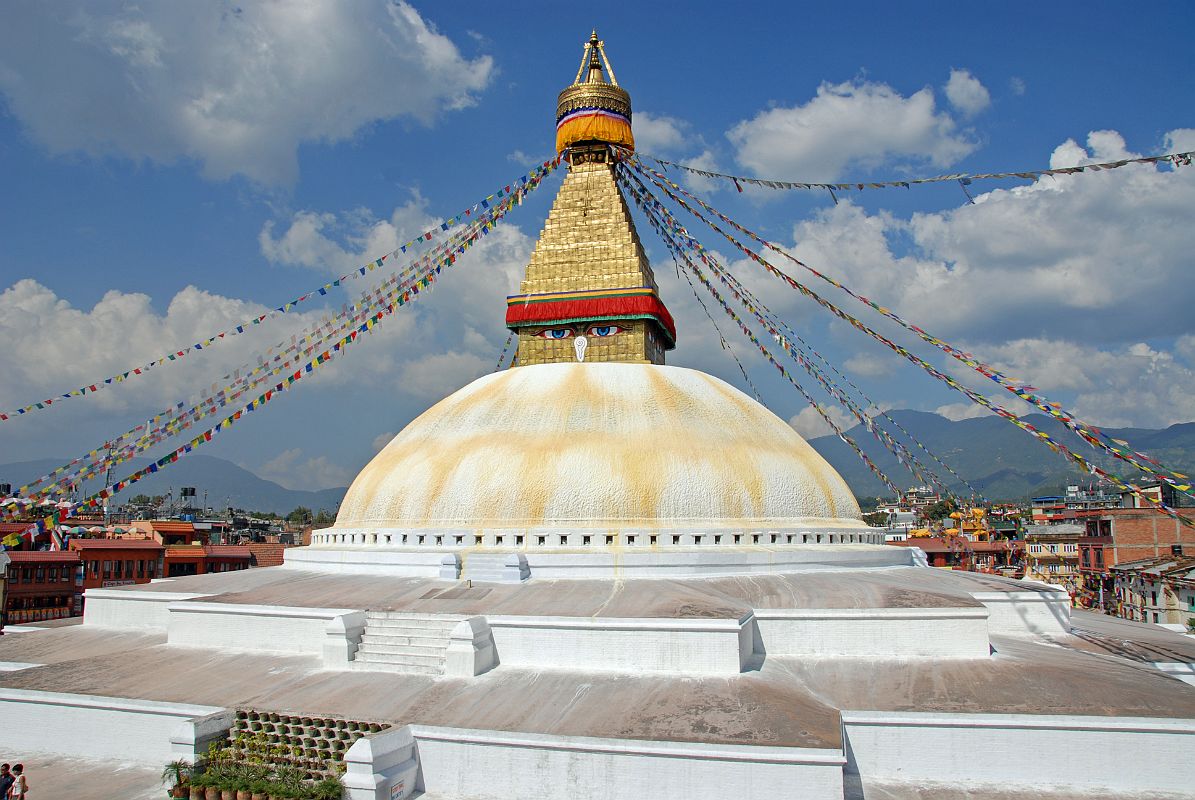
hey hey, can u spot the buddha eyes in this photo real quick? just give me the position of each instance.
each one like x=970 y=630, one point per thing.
x=595 y=330
x=556 y=333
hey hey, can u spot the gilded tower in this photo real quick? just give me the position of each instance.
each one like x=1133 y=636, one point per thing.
x=589 y=293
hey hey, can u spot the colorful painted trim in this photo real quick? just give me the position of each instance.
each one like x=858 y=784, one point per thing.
x=579 y=113
x=604 y=304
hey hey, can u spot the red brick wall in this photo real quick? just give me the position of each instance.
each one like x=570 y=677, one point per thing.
x=1143 y=533
x=267 y=554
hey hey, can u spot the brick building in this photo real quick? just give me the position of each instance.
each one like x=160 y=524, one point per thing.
x=118 y=562
x=42 y=585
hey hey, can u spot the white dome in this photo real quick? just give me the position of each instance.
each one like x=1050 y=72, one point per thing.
x=602 y=446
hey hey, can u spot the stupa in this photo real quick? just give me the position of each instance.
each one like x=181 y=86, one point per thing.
x=593 y=575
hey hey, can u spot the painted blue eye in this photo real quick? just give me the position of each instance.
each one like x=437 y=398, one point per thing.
x=605 y=330
x=556 y=333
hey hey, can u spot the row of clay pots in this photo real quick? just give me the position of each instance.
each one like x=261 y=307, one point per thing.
x=246 y=715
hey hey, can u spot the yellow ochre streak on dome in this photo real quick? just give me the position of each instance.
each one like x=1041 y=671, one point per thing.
x=594 y=446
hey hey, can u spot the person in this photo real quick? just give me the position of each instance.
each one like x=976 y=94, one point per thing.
x=19 y=785
x=6 y=780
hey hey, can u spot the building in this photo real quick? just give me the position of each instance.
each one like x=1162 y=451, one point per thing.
x=595 y=575
x=1052 y=555
x=42 y=585
x=1159 y=590
x=118 y=562
x=200 y=559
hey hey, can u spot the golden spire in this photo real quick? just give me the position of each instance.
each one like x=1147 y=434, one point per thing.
x=589 y=293
x=594 y=108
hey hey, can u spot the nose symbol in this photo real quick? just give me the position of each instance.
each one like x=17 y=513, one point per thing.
x=579 y=344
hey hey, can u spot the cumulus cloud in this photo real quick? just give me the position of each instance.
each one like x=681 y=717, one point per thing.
x=966 y=93
x=456 y=332
x=961 y=411
x=1101 y=254
x=218 y=84
x=1122 y=385
x=858 y=124
x=810 y=424
x=658 y=134
x=293 y=470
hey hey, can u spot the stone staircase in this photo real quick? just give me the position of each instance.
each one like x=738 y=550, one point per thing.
x=400 y=641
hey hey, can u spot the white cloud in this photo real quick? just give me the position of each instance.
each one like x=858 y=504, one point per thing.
x=870 y=365
x=381 y=440
x=1016 y=85
x=966 y=93
x=810 y=424
x=859 y=124
x=338 y=243
x=291 y=470
x=1103 y=255
x=659 y=134
x=961 y=411
x=1137 y=384
x=218 y=84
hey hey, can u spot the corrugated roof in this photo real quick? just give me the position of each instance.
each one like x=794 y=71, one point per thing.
x=43 y=556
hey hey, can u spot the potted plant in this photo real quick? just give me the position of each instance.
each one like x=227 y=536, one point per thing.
x=259 y=789
x=178 y=775
x=329 y=788
x=198 y=787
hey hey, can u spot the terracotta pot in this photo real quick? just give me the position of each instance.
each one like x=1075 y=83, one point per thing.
x=211 y=793
x=258 y=796
x=228 y=794
x=178 y=791
x=197 y=793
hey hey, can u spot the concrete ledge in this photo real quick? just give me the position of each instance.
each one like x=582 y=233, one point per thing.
x=230 y=626
x=874 y=632
x=598 y=561
x=365 y=561
x=1130 y=754
x=497 y=764
x=131 y=609
x=701 y=646
x=88 y=726
x=1032 y=613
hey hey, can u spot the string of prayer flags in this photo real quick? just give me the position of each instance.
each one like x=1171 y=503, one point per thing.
x=964 y=179
x=1089 y=433
x=676 y=249
x=402 y=296
x=905 y=458
x=535 y=175
x=972 y=395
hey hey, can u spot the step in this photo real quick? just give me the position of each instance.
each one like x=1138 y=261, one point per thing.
x=411 y=615
x=379 y=666
x=374 y=646
x=424 y=636
x=405 y=659
x=439 y=625
x=378 y=637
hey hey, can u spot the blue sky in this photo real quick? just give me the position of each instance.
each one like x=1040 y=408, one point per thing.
x=171 y=168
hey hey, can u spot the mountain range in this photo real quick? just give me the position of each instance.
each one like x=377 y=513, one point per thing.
x=999 y=460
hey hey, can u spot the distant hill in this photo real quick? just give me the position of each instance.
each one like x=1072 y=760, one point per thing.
x=226 y=484
x=1000 y=460
x=1004 y=463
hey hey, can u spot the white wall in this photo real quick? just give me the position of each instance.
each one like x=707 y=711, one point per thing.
x=706 y=646
x=129 y=608
x=230 y=626
x=86 y=726
x=875 y=632
x=1027 y=613
x=1020 y=751
x=493 y=764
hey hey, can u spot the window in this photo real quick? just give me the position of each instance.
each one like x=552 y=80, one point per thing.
x=41 y=574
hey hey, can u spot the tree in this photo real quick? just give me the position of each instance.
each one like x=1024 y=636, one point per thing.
x=324 y=517
x=140 y=500
x=300 y=515
x=941 y=510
